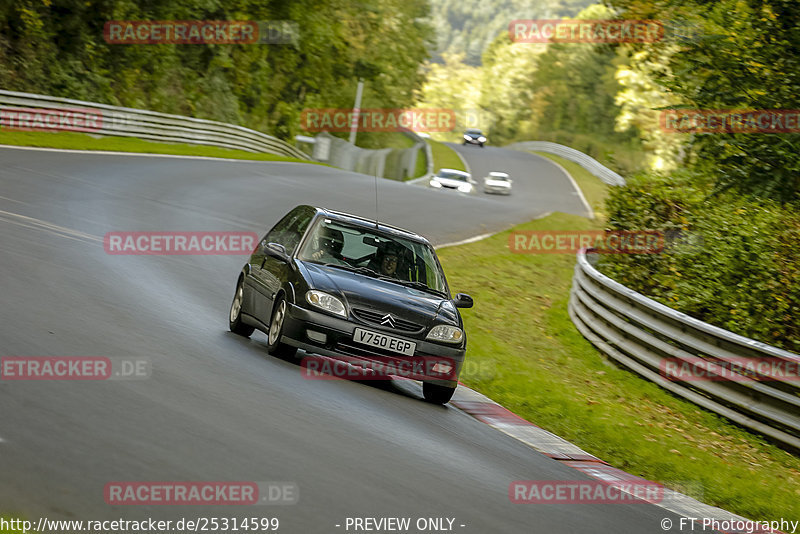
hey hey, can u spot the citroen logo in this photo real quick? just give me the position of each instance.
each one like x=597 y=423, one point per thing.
x=388 y=320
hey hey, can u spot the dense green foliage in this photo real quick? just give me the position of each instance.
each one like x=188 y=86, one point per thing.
x=737 y=192
x=744 y=56
x=732 y=261
x=564 y=92
x=57 y=47
x=468 y=26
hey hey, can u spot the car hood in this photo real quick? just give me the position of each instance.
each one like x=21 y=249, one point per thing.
x=497 y=183
x=365 y=292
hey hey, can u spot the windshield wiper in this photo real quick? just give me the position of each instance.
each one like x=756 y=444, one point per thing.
x=374 y=274
x=360 y=270
x=420 y=285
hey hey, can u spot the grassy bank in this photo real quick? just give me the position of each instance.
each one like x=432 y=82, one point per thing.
x=531 y=359
x=445 y=157
x=79 y=141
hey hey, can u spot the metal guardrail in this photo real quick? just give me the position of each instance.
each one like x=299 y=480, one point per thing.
x=640 y=334
x=349 y=157
x=585 y=161
x=143 y=124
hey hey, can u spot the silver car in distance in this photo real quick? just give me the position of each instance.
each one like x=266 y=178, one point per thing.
x=497 y=182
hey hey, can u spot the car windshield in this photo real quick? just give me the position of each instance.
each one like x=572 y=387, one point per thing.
x=376 y=254
x=474 y=132
x=501 y=177
x=452 y=175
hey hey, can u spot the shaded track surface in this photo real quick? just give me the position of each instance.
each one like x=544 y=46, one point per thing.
x=216 y=406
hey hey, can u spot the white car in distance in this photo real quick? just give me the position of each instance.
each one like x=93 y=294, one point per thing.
x=497 y=182
x=453 y=179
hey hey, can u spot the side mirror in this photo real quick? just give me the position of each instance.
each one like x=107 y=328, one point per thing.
x=463 y=300
x=277 y=251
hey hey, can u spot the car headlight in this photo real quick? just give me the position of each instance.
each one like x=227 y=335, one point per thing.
x=481 y=139
x=326 y=302
x=467 y=137
x=446 y=334
x=465 y=188
x=435 y=183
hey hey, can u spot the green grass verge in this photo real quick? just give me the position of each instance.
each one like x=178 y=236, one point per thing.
x=445 y=157
x=422 y=164
x=525 y=353
x=80 y=141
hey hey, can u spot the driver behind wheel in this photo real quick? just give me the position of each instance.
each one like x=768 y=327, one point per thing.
x=330 y=243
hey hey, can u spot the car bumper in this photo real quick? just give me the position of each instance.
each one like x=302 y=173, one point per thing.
x=339 y=342
x=497 y=190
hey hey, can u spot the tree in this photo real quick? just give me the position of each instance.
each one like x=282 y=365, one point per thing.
x=745 y=57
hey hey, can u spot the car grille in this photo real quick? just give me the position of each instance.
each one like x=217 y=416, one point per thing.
x=375 y=317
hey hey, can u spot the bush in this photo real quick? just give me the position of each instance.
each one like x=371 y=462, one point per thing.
x=730 y=261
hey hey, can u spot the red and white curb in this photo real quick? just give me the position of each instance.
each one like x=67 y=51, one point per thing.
x=496 y=416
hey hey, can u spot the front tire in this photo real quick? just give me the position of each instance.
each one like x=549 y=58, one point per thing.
x=274 y=345
x=436 y=394
x=235 y=317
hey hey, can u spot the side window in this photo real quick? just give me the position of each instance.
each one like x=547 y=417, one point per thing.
x=290 y=229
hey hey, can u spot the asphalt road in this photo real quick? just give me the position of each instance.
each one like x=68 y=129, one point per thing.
x=536 y=180
x=217 y=407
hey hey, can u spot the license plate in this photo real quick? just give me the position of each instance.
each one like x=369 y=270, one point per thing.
x=382 y=341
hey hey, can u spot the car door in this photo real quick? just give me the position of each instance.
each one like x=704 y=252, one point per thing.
x=273 y=272
x=253 y=285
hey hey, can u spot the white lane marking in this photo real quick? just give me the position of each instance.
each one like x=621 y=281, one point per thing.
x=589 y=209
x=12 y=200
x=464 y=241
x=38 y=224
x=463 y=160
x=144 y=155
x=483 y=236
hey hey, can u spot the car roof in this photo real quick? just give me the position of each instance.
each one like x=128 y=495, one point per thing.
x=473 y=130
x=363 y=222
x=455 y=171
x=497 y=173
